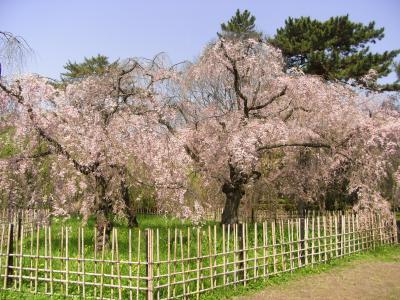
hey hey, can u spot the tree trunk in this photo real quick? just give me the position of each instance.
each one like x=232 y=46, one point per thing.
x=130 y=209
x=103 y=215
x=233 y=194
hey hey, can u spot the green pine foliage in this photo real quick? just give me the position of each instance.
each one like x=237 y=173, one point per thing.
x=335 y=49
x=241 y=25
x=397 y=70
x=95 y=65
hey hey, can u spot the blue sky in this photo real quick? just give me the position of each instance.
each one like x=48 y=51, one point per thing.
x=71 y=29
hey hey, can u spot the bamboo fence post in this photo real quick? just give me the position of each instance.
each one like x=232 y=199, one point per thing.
x=283 y=245
x=112 y=261
x=130 y=261
x=45 y=260
x=354 y=232
x=118 y=265
x=358 y=234
x=298 y=237
x=395 y=233
x=349 y=233
x=169 y=264
x=175 y=262
x=103 y=246
x=312 y=240
x=380 y=230
x=235 y=253
x=95 y=262
x=210 y=258
x=37 y=258
x=306 y=241
x=324 y=234
x=9 y=260
x=372 y=230
x=215 y=271
x=51 y=262
x=291 y=244
x=79 y=260
x=319 y=237
x=243 y=247
x=228 y=247
x=83 y=262
x=158 y=262
x=255 y=270
x=149 y=263
x=274 y=247
x=265 y=245
x=21 y=256
x=1 y=246
x=198 y=242
x=66 y=261
x=343 y=237
x=182 y=264
x=331 y=229
x=224 y=254
x=336 y=237
x=138 y=268
x=61 y=251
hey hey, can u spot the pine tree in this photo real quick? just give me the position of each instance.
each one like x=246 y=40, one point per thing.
x=95 y=65
x=335 y=49
x=241 y=25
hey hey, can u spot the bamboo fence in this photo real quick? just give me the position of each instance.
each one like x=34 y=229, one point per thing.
x=185 y=262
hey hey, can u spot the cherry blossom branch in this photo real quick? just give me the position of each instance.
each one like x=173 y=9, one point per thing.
x=236 y=80
x=34 y=156
x=55 y=144
x=271 y=100
x=283 y=145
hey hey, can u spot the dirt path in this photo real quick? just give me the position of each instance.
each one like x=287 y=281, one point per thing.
x=361 y=280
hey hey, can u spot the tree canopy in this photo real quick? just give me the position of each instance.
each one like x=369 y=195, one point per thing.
x=242 y=24
x=95 y=65
x=335 y=49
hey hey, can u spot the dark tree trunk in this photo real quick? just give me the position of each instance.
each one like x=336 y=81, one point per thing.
x=103 y=215
x=130 y=209
x=234 y=191
x=233 y=194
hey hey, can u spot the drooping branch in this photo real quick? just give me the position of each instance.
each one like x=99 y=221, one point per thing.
x=58 y=148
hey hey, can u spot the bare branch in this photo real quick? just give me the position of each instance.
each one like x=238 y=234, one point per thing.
x=272 y=99
x=283 y=145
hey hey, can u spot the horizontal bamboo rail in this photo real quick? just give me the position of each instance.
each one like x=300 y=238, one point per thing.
x=177 y=263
